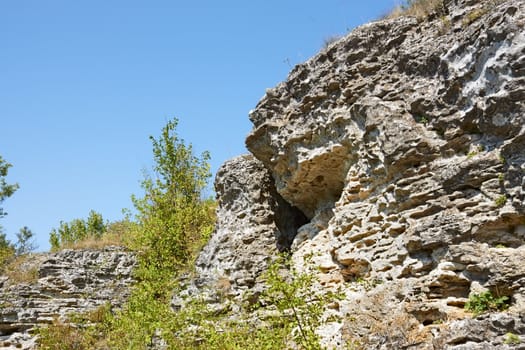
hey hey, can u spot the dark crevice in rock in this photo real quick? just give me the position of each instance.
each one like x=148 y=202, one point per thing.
x=288 y=220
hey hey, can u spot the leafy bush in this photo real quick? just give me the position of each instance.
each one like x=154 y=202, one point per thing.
x=512 y=339
x=70 y=233
x=485 y=302
x=292 y=293
x=173 y=215
x=500 y=201
x=9 y=250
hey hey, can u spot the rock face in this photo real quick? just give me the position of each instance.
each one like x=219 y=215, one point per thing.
x=253 y=224
x=70 y=281
x=404 y=146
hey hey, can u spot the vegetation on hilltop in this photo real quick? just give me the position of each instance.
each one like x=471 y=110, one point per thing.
x=9 y=250
x=418 y=8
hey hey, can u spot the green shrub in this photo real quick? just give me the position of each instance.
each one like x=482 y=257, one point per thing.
x=292 y=294
x=485 y=302
x=512 y=339
x=500 y=201
x=70 y=233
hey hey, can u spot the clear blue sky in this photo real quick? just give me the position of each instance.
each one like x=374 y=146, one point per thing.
x=84 y=83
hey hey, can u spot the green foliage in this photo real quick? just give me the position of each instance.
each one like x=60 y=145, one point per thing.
x=69 y=233
x=500 y=201
x=172 y=221
x=422 y=119
x=25 y=243
x=512 y=339
x=7 y=251
x=473 y=16
x=6 y=190
x=291 y=293
x=485 y=302
x=369 y=283
x=172 y=214
x=477 y=150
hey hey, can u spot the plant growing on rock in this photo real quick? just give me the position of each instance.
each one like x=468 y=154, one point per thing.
x=420 y=9
x=485 y=302
x=291 y=293
x=500 y=201
x=512 y=339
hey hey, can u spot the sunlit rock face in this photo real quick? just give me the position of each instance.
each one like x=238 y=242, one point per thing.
x=403 y=143
x=64 y=283
x=253 y=225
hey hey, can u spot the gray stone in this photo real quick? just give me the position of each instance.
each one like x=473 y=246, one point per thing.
x=69 y=281
x=411 y=133
x=253 y=225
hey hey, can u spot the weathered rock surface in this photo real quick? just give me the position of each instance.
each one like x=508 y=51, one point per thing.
x=253 y=224
x=404 y=145
x=69 y=281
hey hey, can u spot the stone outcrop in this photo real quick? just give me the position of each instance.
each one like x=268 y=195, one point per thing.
x=404 y=146
x=254 y=224
x=391 y=164
x=66 y=282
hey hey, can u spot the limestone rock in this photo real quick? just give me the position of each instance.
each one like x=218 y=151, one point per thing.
x=404 y=145
x=69 y=281
x=253 y=224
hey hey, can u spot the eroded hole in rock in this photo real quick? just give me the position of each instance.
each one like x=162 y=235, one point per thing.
x=288 y=220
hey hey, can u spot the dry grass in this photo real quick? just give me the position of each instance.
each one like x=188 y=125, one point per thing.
x=223 y=285
x=22 y=269
x=109 y=239
x=473 y=16
x=78 y=332
x=420 y=9
x=119 y=233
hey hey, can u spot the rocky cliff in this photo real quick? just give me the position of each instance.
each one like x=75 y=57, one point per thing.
x=394 y=161
x=402 y=147
x=60 y=284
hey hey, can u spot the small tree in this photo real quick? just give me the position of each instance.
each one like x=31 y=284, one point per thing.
x=6 y=190
x=77 y=230
x=7 y=249
x=173 y=214
x=25 y=243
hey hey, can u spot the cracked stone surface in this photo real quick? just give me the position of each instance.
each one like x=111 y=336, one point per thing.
x=66 y=282
x=404 y=145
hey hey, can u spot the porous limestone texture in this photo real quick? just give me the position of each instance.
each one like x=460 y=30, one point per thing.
x=403 y=143
x=253 y=225
x=66 y=282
